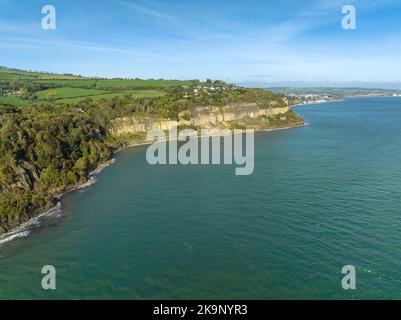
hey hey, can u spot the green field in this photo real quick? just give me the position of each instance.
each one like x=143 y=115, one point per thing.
x=67 y=88
x=69 y=83
x=124 y=84
x=115 y=84
x=14 y=101
x=68 y=92
x=15 y=76
x=19 y=74
x=107 y=96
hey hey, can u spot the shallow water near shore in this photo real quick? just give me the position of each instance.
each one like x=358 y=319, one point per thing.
x=321 y=197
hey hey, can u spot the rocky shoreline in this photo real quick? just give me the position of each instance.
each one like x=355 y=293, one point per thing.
x=21 y=224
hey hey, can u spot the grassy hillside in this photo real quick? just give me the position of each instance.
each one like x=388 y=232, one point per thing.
x=67 y=92
x=14 y=101
x=108 y=96
x=139 y=84
x=9 y=73
x=21 y=88
x=80 y=83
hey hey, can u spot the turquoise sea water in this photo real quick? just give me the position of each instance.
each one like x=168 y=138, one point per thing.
x=321 y=197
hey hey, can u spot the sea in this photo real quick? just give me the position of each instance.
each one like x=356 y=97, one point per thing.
x=321 y=197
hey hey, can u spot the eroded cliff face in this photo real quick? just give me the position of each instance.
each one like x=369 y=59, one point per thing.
x=201 y=117
x=135 y=124
x=23 y=176
x=206 y=116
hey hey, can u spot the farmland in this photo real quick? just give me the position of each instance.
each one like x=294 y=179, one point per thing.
x=21 y=88
x=15 y=101
x=68 y=92
x=9 y=73
x=107 y=96
x=125 y=84
x=75 y=83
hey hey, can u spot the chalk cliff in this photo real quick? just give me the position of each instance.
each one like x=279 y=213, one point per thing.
x=209 y=117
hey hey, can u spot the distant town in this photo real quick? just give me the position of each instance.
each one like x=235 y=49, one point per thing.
x=297 y=95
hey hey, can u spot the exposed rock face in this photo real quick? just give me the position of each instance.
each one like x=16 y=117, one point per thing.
x=207 y=117
x=10 y=222
x=128 y=125
x=204 y=115
x=24 y=176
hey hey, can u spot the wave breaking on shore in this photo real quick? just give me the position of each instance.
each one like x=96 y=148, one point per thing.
x=26 y=228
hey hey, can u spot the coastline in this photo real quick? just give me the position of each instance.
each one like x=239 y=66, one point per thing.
x=314 y=103
x=342 y=99
x=22 y=231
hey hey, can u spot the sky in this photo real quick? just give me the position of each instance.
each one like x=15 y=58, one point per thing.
x=253 y=41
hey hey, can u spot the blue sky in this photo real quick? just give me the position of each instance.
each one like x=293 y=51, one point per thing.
x=233 y=40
